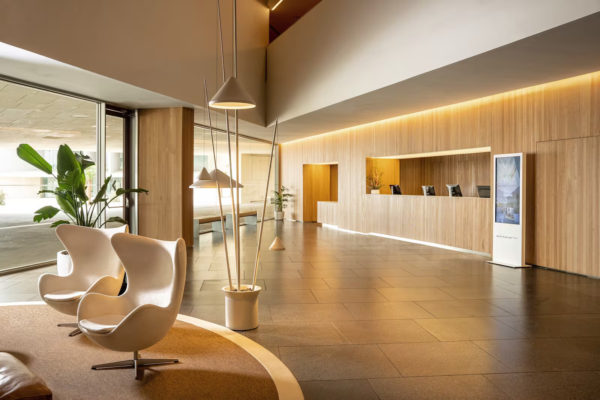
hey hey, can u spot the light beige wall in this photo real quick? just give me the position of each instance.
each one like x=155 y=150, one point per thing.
x=164 y=46
x=346 y=48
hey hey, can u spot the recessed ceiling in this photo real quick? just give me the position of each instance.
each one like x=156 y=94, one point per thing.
x=568 y=50
x=286 y=14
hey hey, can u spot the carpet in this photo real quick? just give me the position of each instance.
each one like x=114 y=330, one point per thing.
x=211 y=366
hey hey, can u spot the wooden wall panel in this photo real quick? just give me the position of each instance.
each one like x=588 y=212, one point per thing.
x=165 y=163
x=530 y=120
x=568 y=208
x=254 y=168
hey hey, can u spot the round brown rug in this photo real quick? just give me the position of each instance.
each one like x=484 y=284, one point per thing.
x=214 y=363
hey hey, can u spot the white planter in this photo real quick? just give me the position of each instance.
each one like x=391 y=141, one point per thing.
x=374 y=191
x=64 y=265
x=278 y=215
x=241 y=308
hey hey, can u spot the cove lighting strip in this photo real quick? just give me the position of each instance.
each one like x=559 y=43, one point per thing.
x=430 y=244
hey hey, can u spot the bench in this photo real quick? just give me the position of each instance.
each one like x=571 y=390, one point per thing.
x=214 y=220
x=250 y=218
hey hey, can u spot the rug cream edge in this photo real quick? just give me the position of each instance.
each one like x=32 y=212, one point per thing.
x=287 y=386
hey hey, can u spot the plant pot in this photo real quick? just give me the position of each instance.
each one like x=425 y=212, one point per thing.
x=278 y=215
x=64 y=265
x=241 y=308
x=374 y=191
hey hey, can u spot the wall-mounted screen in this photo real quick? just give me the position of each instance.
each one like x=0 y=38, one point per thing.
x=508 y=190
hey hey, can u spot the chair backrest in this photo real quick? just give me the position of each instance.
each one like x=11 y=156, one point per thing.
x=155 y=269
x=91 y=252
x=428 y=190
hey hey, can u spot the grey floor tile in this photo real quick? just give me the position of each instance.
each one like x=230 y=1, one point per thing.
x=337 y=362
x=383 y=331
x=458 y=387
x=441 y=358
x=472 y=328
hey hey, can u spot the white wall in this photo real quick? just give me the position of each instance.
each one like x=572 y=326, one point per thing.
x=164 y=46
x=346 y=48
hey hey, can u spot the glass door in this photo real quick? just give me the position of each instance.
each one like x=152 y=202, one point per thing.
x=118 y=134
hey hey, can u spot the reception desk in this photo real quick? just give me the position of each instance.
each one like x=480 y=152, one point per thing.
x=461 y=222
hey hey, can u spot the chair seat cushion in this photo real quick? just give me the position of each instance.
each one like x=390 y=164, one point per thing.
x=64 y=295
x=18 y=382
x=102 y=323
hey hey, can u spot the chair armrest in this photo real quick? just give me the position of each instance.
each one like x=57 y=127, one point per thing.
x=94 y=304
x=106 y=285
x=51 y=283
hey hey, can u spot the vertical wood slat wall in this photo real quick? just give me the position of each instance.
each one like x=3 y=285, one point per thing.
x=165 y=164
x=557 y=126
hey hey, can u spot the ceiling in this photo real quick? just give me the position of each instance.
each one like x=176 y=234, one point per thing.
x=286 y=14
x=46 y=120
x=568 y=50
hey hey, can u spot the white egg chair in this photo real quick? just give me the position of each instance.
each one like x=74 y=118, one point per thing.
x=142 y=315
x=96 y=268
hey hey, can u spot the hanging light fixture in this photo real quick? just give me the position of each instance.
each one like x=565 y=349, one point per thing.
x=208 y=180
x=232 y=96
x=204 y=181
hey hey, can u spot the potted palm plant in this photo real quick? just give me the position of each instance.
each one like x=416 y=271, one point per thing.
x=279 y=200
x=375 y=180
x=70 y=193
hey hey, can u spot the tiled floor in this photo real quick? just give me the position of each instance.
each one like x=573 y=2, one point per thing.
x=361 y=317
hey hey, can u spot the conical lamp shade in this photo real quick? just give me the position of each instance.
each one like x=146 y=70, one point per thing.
x=204 y=181
x=208 y=180
x=223 y=179
x=277 y=245
x=232 y=96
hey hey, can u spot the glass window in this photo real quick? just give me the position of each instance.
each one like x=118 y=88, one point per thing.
x=44 y=120
x=254 y=167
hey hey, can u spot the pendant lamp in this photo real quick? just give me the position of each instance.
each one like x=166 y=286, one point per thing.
x=204 y=181
x=208 y=180
x=223 y=178
x=232 y=96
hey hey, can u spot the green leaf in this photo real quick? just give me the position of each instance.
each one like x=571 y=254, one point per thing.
x=66 y=161
x=46 y=191
x=116 y=219
x=102 y=191
x=29 y=155
x=84 y=160
x=59 y=222
x=121 y=191
x=44 y=213
x=66 y=203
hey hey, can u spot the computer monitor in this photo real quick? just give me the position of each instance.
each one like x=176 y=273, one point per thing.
x=454 y=190
x=395 y=189
x=428 y=190
x=483 y=191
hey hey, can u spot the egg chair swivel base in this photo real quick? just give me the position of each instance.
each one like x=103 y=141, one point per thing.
x=75 y=331
x=136 y=363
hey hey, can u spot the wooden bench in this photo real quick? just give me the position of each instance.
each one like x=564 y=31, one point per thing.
x=214 y=220
x=250 y=218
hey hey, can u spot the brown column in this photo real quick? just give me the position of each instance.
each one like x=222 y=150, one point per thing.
x=165 y=164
